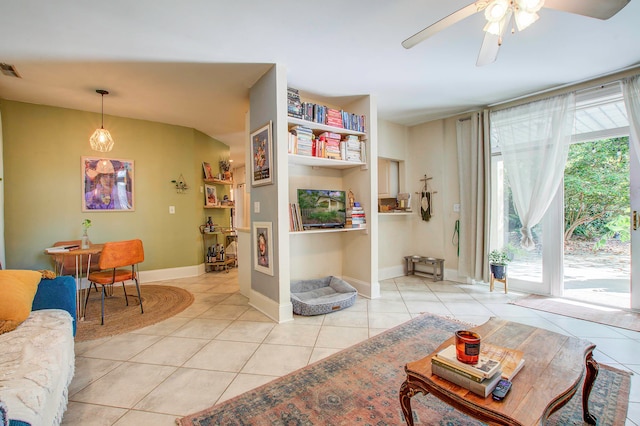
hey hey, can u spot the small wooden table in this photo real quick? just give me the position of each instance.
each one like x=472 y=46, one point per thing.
x=555 y=365
x=78 y=253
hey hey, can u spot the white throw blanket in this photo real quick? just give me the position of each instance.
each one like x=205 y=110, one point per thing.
x=36 y=367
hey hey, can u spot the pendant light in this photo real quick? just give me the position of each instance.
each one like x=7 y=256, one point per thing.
x=101 y=139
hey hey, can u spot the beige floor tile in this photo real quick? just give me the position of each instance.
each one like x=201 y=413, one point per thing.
x=380 y=305
x=321 y=353
x=143 y=418
x=387 y=319
x=88 y=370
x=122 y=347
x=80 y=414
x=222 y=355
x=193 y=311
x=277 y=360
x=182 y=392
x=163 y=328
x=341 y=337
x=202 y=328
x=246 y=331
x=236 y=299
x=419 y=307
x=124 y=386
x=243 y=383
x=254 y=315
x=347 y=318
x=291 y=333
x=170 y=351
x=225 y=312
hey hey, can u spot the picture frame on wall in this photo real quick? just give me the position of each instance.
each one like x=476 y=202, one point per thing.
x=261 y=156
x=263 y=247
x=208 y=172
x=107 y=184
x=210 y=196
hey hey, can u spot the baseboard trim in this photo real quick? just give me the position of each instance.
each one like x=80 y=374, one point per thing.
x=365 y=289
x=278 y=313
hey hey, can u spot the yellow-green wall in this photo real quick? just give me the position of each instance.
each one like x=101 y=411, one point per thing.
x=43 y=147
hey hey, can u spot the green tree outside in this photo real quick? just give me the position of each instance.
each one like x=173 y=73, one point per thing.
x=596 y=189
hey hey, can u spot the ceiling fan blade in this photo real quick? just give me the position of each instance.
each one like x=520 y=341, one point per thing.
x=600 y=9
x=456 y=16
x=489 y=50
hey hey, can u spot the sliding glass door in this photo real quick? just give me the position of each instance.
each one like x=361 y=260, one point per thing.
x=584 y=244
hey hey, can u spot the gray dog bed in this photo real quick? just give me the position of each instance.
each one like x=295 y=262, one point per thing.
x=321 y=296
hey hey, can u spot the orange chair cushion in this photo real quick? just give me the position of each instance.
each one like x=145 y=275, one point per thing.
x=106 y=277
x=17 y=290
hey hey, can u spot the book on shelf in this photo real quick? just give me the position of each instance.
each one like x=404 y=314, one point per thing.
x=482 y=388
x=484 y=368
x=511 y=360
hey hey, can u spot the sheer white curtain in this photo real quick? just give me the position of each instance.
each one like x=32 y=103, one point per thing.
x=534 y=139
x=631 y=92
x=473 y=171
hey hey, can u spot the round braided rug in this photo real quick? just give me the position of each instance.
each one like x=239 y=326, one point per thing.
x=159 y=302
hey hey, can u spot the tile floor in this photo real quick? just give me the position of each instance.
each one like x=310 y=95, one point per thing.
x=220 y=347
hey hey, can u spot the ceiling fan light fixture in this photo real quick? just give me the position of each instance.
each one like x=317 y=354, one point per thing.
x=524 y=19
x=101 y=139
x=496 y=10
x=530 y=6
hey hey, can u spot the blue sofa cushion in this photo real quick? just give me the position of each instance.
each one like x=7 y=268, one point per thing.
x=57 y=293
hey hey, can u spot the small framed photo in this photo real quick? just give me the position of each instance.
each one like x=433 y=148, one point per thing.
x=107 y=184
x=261 y=160
x=263 y=247
x=206 y=168
x=210 y=196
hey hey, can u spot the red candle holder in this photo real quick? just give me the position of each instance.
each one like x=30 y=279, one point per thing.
x=467 y=346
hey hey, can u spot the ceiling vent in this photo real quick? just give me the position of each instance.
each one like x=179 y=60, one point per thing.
x=9 y=70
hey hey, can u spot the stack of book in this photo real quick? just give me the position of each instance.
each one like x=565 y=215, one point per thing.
x=352 y=148
x=294 y=105
x=334 y=118
x=331 y=145
x=295 y=219
x=358 y=219
x=62 y=248
x=301 y=140
x=495 y=363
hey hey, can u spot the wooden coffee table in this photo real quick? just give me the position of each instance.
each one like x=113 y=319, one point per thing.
x=555 y=365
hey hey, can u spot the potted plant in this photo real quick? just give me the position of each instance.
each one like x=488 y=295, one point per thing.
x=86 y=224
x=498 y=260
x=225 y=167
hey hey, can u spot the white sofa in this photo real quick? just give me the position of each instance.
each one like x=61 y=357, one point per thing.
x=37 y=358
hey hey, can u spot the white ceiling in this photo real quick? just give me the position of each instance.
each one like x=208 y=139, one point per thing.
x=191 y=62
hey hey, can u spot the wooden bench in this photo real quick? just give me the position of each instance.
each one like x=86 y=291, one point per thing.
x=437 y=265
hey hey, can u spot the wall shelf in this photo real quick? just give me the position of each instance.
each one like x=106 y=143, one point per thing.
x=326 y=231
x=307 y=160
x=323 y=127
x=218 y=181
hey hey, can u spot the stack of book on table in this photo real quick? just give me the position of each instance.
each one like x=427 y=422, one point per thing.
x=495 y=362
x=63 y=248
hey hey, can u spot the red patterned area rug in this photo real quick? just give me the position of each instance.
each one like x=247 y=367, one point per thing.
x=574 y=309
x=359 y=386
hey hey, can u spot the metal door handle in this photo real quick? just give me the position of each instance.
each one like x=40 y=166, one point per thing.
x=635 y=220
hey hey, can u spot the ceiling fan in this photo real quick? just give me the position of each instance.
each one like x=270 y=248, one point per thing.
x=524 y=12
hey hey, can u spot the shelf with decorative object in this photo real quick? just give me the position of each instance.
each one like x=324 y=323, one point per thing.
x=214 y=251
x=219 y=181
x=326 y=231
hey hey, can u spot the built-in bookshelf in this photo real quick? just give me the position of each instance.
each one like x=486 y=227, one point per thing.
x=331 y=251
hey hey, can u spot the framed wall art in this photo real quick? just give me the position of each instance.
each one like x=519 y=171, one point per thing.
x=261 y=156
x=263 y=247
x=107 y=184
x=210 y=196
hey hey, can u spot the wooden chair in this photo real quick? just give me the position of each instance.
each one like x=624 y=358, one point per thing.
x=118 y=263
